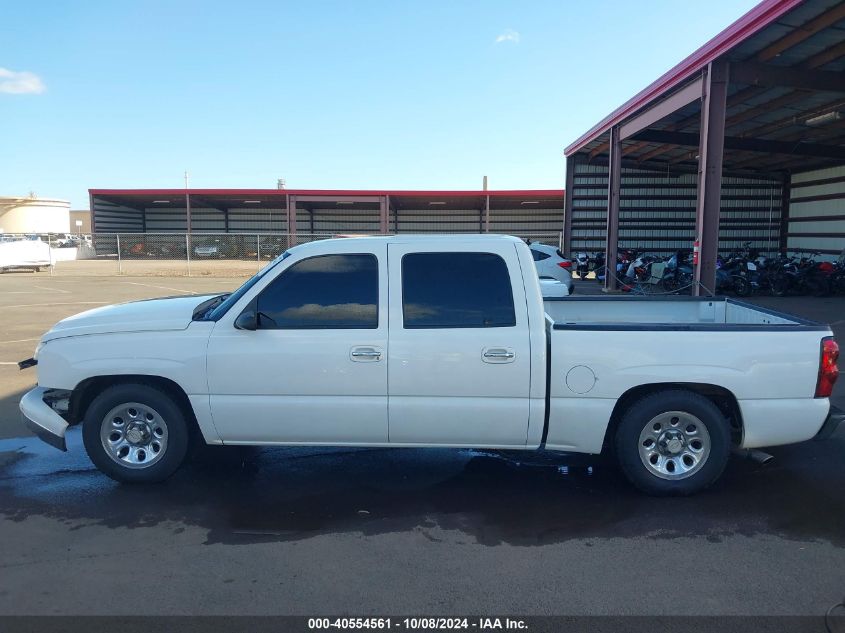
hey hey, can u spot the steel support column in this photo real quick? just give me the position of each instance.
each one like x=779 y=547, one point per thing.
x=383 y=220
x=93 y=214
x=566 y=247
x=291 y=220
x=487 y=213
x=614 y=184
x=785 y=195
x=710 y=155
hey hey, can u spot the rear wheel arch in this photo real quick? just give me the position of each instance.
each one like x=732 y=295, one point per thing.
x=723 y=398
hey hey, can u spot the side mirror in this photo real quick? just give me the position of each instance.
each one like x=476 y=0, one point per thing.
x=247 y=320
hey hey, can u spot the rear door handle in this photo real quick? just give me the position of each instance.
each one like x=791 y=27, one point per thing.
x=365 y=354
x=497 y=355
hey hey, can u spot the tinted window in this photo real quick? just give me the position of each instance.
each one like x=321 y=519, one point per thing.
x=456 y=290
x=538 y=256
x=328 y=291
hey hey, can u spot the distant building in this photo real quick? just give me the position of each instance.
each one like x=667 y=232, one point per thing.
x=313 y=213
x=80 y=215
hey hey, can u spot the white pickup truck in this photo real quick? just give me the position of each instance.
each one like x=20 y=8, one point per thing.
x=432 y=341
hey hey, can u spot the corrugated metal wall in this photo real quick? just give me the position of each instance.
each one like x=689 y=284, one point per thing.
x=817 y=212
x=338 y=221
x=657 y=211
x=114 y=218
x=110 y=218
x=526 y=221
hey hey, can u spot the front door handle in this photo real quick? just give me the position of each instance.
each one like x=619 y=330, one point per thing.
x=497 y=355
x=365 y=354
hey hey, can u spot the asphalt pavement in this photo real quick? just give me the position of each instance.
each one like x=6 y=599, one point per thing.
x=399 y=531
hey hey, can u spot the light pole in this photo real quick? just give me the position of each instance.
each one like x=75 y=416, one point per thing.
x=187 y=203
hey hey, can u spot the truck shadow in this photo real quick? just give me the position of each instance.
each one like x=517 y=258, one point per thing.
x=274 y=494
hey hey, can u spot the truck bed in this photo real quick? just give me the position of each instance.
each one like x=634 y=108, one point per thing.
x=601 y=348
x=669 y=312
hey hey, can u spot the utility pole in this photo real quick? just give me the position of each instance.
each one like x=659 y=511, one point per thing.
x=187 y=203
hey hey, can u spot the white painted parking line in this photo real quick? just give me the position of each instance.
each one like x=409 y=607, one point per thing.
x=67 y=292
x=186 y=292
x=74 y=303
x=20 y=340
x=2 y=362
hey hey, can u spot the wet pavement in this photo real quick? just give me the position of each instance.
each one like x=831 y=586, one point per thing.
x=399 y=531
x=65 y=526
x=247 y=495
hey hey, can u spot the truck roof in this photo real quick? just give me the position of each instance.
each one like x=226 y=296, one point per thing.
x=431 y=237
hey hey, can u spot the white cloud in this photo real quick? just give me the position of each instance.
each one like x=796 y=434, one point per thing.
x=508 y=35
x=20 y=82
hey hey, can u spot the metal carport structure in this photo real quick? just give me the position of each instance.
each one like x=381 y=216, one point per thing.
x=760 y=102
x=302 y=212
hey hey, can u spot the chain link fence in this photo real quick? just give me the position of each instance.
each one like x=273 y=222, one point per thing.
x=172 y=254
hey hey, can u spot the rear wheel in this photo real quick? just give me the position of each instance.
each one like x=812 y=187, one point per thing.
x=672 y=442
x=135 y=433
x=818 y=286
x=742 y=287
x=669 y=283
x=780 y=286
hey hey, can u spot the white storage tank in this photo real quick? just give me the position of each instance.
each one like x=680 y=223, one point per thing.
x=34 y=215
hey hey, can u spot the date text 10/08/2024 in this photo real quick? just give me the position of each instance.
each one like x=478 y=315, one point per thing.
x=422 y=623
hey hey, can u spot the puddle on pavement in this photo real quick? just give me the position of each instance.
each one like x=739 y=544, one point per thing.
x=243 y=495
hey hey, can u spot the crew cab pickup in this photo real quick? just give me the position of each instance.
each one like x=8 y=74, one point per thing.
x=432 y=341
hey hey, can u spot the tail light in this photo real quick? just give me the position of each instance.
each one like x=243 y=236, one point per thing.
x=565 y=264
x=828 y=371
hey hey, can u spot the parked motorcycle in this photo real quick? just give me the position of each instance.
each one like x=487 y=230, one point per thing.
x=582 y=264
x=678 y=274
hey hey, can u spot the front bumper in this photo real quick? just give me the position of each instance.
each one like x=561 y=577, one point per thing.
x=834 y=418
x=42 y=420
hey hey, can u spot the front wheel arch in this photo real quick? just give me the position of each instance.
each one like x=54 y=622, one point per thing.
x=84 y=393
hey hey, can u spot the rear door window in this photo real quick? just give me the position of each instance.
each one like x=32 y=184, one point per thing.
x=456 y=290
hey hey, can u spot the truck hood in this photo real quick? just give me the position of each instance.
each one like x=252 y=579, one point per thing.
x=151 y=315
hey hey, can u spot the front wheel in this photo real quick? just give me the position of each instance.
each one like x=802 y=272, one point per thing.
x=780 y=286
x=135 y=433
x=669 y=283
x=742 y=287
x=672 y=442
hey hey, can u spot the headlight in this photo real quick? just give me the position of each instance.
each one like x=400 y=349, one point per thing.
x=38 y=350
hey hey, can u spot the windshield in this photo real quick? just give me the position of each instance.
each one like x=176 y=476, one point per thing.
x=233 y=298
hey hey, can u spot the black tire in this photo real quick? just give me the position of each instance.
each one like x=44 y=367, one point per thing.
x=742 y=287
x=669 y=283
x=818 y=286
x=177 y=432
x=643 y=412
x=780 y=286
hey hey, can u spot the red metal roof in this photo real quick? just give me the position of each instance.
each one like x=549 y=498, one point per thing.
x=748 y=25
x=326 y=192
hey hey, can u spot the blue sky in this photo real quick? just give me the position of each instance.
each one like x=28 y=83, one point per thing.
x=359 y=94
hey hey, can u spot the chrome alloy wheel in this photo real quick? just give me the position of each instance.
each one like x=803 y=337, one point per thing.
x=134 y=435
x=674 y=445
